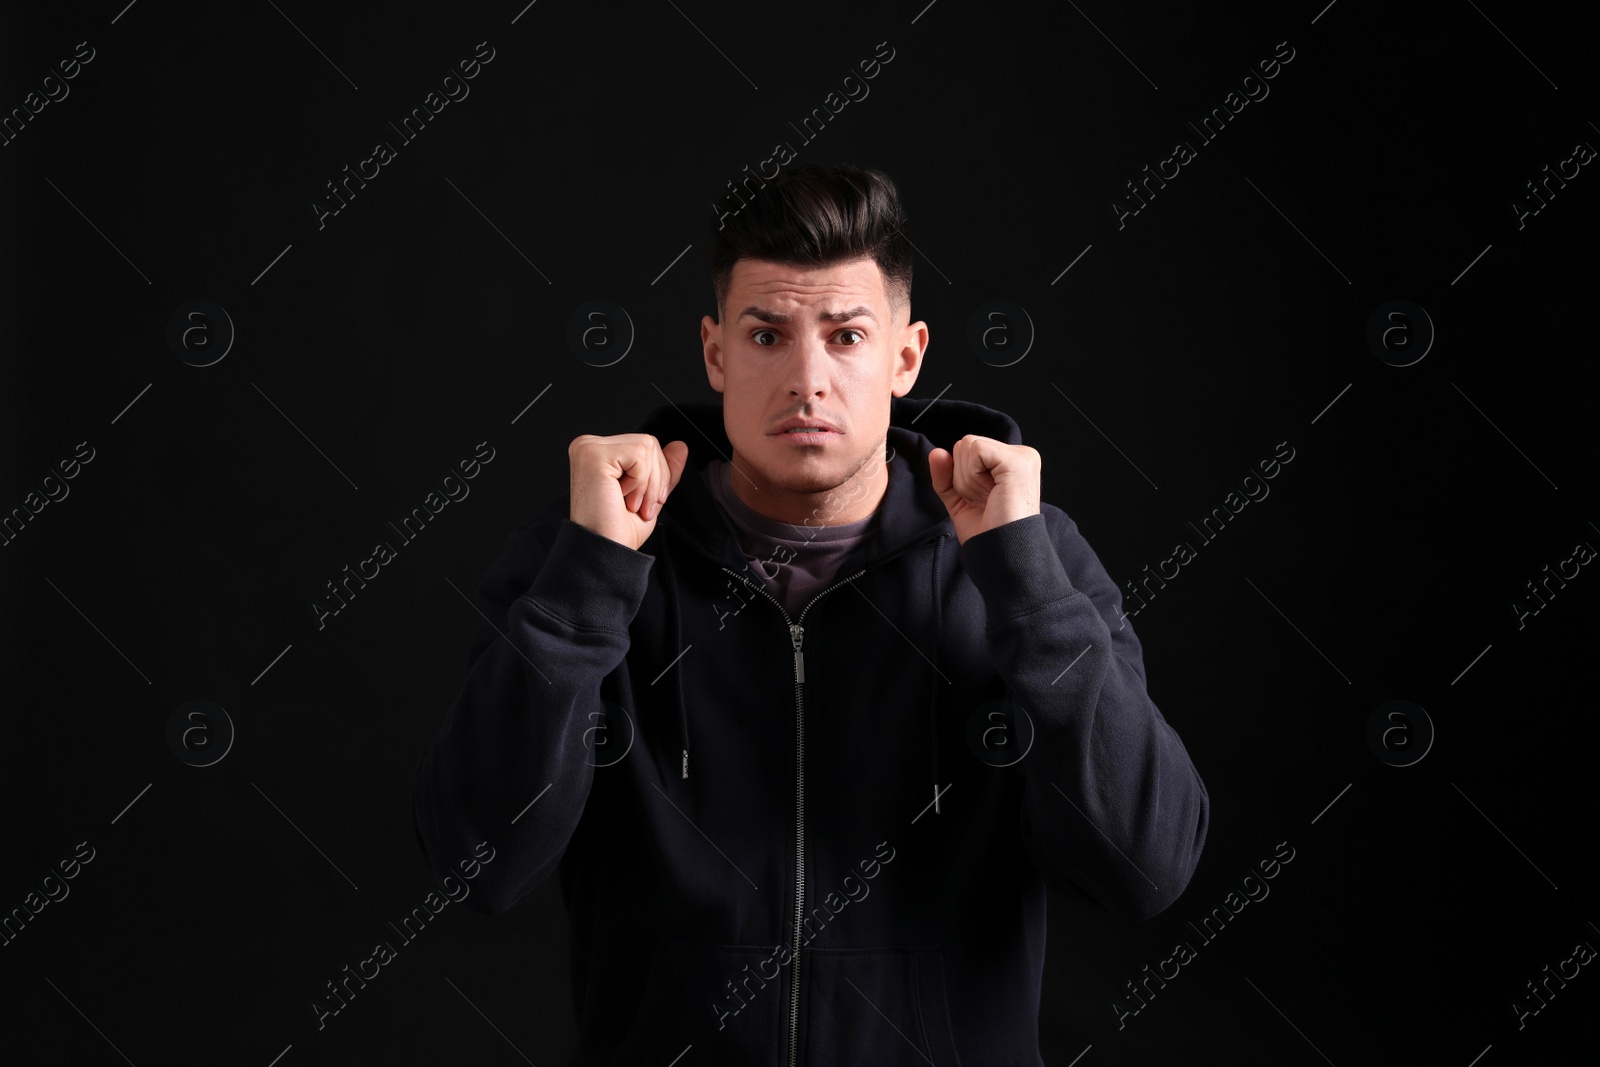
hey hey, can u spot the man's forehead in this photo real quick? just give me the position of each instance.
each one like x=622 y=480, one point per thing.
x=835 y=287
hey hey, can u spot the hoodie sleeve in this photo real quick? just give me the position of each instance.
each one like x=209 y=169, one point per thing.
x=552 y=622
x=1111 y=801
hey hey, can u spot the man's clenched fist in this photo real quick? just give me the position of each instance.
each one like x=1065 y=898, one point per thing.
x=620 y=482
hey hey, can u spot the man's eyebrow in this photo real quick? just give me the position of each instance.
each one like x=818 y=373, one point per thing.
x=781 y=319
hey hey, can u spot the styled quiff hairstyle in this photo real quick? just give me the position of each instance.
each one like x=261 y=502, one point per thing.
x=816 y=215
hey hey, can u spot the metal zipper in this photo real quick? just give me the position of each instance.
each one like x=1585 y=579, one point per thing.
x=797 y=633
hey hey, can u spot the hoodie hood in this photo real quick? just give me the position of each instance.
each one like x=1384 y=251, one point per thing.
x=909 y=514
x=910 y=511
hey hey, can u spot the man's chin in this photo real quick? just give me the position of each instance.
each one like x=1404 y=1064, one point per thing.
x=804 y=471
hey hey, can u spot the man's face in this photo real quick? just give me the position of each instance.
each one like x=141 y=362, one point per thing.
x=817 y=343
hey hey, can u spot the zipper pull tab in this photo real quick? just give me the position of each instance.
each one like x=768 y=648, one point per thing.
x=686 y=763
x=797 y=633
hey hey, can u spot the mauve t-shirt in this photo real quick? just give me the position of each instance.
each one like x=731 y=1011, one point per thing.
x=796 y=560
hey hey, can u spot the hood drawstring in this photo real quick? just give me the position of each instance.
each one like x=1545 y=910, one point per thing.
x=671 y=585
x=933 y=699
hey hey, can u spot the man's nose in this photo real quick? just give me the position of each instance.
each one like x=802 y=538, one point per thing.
x=809 y=367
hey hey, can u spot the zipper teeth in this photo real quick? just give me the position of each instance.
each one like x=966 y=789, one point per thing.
x=796 y=638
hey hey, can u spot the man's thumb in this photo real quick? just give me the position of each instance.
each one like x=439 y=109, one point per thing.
x=941 y=468
x=677 y=453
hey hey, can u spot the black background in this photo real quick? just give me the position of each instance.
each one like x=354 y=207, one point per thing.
x=1173 y=355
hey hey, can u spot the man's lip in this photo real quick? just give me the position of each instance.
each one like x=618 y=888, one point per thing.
x=789 y=424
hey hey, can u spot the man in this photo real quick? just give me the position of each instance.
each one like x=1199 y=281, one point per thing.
x=808 y=721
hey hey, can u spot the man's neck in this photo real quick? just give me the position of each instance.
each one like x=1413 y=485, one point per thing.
x=855 y=499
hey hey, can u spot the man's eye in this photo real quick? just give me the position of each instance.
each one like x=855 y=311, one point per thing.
x=858 y=333
x=758 y=334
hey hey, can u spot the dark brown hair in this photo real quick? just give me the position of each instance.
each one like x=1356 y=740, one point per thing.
x=815 y=215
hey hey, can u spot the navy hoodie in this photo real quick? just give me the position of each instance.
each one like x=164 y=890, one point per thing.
x=787 y=841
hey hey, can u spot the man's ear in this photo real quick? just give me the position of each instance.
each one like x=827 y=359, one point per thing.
x=908 y=360
x=711 y=344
